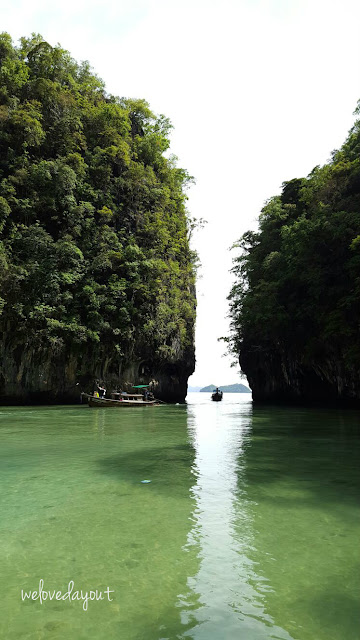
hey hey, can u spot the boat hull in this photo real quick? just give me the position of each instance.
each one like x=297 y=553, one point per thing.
x=217 y=397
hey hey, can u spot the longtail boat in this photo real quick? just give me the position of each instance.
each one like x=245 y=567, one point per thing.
x=217 y=395
x=120 y=400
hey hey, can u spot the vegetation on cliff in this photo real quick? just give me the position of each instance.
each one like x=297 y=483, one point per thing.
x=96 y=272
x=296 y=297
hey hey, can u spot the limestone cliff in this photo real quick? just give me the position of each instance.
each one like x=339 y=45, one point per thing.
x=295 y=304
x=96 y=271
x=30 y=377
x=277 y=377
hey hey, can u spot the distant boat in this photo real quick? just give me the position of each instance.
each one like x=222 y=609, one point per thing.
x=217 y=395
x=120 y=400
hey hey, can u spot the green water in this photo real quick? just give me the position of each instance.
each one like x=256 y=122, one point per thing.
x=248 y=530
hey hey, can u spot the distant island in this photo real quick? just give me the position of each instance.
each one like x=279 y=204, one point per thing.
x=229 y=388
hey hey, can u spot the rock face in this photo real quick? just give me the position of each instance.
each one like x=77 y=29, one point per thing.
x=31 y=373
x=59 y=381
x=277 y=377
x=169 y=381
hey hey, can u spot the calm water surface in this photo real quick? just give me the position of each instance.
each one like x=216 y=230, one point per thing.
x=248 y=530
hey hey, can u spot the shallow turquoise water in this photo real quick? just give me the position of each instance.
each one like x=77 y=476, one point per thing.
x=248 y=529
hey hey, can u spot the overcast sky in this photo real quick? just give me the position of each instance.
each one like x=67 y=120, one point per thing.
x=258 y=91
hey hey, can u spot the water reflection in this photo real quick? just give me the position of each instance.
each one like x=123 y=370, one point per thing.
x=302 y=471
x=230 y=590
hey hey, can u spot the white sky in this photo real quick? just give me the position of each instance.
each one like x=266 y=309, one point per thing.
x=259 y=92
